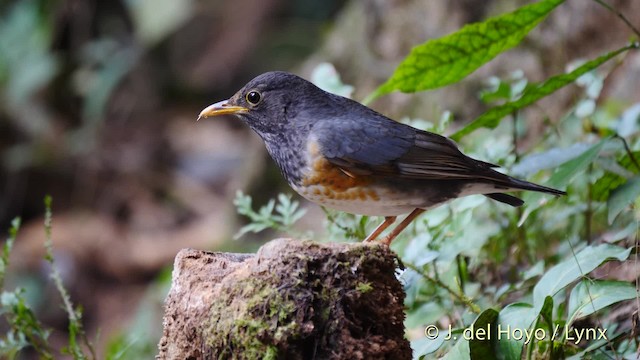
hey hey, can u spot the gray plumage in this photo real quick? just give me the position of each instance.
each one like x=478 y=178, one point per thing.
x=363 y=142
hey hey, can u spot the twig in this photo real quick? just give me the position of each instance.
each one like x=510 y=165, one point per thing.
x=521 y=231
x=74 y=316
x=8 y=245
x=635 y=261
x=629 y=152
x=588 y=213
x=620 y=15
x=461 y=297
x=591 y=299
x=332 y=219
x=359 y=233
x=461 y=273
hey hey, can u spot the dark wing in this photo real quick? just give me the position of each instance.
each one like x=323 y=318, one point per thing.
x=383 y=147
x=436 y=157
x=368 y=146
x=379 y=146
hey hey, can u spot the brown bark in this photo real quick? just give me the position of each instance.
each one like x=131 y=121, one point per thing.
x=293 y=299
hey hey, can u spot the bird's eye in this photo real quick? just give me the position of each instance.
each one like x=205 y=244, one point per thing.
x=253 y=97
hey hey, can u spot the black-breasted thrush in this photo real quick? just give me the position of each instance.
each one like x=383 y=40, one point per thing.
x=343 y=155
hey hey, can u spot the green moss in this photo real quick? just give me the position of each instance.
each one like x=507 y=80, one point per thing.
x=271 y=354
x=253 y=318
x=300 y=304
x=364 y=287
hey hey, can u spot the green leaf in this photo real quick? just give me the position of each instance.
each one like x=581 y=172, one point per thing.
x=623 y=196
x=590 y=296
x=480 y=346
x=425 y=346
x=611 y=180
x=629 y=120
x=561 y=178
x=6 y=249
x=155 y=20
x=492 y=118
x=446 y=60
x=548 y=159
x=515 y=316
x=460 y=351
x=572 y=268
x=326 y=77
x=612 y=337
x=546 y=312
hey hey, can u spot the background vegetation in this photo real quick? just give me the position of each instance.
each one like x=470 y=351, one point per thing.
x=97 y=109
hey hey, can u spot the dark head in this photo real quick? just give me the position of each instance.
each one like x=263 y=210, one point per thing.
x=281 y=108
x=270 y=103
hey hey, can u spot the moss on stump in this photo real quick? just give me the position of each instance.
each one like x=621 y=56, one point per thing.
x=293 y=299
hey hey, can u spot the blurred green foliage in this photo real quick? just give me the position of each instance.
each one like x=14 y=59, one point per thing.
x=139 y=339
x=451 y=58
x=27 y=65
x=470 y=262
x=473 y=263
x=287 y=212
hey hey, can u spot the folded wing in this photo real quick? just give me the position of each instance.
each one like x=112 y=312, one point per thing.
x=384 y=148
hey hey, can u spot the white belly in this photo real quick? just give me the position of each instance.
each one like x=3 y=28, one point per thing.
x=374 y=202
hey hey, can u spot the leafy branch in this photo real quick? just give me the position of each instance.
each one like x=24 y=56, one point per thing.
x=74 y=314
x=492 y=118
x=25 y=328
x=620 y=15
x=356 y=229
x=287 y=213
x=460 y=296
x=446 y=60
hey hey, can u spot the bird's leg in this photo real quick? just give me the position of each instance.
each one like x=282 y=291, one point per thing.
x=388 y=220
x=398 y=229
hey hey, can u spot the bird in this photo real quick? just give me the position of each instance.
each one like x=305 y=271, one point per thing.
x=343 y=155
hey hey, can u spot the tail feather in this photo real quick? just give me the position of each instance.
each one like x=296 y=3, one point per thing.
x=505 y=198
x=525 y=185
x=511 y=184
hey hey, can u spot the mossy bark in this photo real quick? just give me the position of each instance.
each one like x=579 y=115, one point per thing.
x=292 y=300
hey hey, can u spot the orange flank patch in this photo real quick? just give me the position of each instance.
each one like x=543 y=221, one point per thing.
x=336 y=183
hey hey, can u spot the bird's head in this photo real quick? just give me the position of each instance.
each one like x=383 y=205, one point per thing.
x=271 y=103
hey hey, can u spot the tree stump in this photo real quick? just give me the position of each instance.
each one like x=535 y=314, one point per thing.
x=291 y=300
